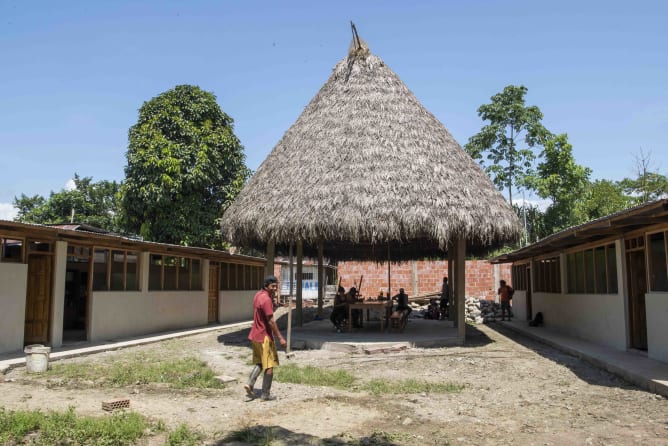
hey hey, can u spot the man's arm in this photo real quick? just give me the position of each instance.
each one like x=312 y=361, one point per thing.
x=276 y=331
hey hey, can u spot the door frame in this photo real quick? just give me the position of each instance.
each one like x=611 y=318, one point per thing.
x=49 y=255
x=213 y=293
x=636 y=289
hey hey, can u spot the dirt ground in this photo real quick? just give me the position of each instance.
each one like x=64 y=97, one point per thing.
x=517 y=391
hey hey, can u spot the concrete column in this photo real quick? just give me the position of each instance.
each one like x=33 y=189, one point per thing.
x=58 y=290
x=563 y=273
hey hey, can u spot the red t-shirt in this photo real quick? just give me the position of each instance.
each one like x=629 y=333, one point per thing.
x=263 y=309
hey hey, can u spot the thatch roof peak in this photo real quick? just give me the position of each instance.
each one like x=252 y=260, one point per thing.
x=358 y=47
x=366 y=166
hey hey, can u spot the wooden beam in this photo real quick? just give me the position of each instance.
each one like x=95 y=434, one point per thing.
x=300 y=260
x=460 y=286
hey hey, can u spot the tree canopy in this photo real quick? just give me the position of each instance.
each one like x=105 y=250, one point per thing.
x=184 y=166
x=510 y=138
x=561 y=180
x=92 y=203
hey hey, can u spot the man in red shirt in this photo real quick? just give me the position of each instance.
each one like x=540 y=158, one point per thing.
x=506 y=293
x=265 y=356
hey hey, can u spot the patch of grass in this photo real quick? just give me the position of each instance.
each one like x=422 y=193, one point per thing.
x=314 y=376
x=141 y=369
x=51 y=428
x=407 y=386
x=184 y=436
x=341 y=379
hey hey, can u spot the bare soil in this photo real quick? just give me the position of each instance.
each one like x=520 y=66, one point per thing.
x=517 y=391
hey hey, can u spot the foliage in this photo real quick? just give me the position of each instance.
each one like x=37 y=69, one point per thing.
x=510 y=138
x=535 y=228
x=560 y=179
x=92 y=203
x=649 y=184
x=142 y=369
x=120 y=428
x=601 y=198
x=184 y=436
x=184 y=167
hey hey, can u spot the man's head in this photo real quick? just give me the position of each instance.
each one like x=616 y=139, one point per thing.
x=341 y=290
x=353 y=291
x=270 y=283
x=502 y=282
x=401 y=291
x=445 y=280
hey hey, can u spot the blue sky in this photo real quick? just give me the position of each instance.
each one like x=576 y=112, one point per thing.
x=73 y=74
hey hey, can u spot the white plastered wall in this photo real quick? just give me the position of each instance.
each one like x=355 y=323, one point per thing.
x=14 y=280
x=594 y=317
x=519 y=304
x=600 y=318
x=235 y=306
x=656 y=305
x=121 y=314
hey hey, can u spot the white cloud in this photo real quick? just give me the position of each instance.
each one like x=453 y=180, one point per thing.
x=70 y=185
x=7 y=211
x=540 y=204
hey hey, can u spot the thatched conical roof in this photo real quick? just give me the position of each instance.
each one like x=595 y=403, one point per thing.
x=364 y=166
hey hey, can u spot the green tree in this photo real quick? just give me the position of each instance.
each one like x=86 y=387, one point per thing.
x=533 y=220
x=601 y=198
x=93 y=203
x=184 y=166
x=561 y=180
x=510 y=138
x=649 y=184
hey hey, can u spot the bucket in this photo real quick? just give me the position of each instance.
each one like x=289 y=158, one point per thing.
x=37 y=358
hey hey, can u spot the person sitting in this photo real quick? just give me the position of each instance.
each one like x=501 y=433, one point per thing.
x=402 y=302
x=356 y=314
x=339 y=309
x=445 y=298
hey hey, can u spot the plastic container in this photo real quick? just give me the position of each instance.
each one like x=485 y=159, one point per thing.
x=37 y=358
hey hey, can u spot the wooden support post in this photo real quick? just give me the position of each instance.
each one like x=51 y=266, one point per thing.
x=292 y=274
x=460 y=285
x=451 y=281
x=271 y=254
x=321 y=277
x=300 y=285
x=389 y=275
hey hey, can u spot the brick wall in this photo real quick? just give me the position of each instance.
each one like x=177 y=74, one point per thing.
x=422 y=277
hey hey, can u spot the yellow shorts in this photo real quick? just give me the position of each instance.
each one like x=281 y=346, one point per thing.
x=265 y=353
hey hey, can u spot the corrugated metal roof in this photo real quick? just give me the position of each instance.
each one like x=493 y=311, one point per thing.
x=615 y=224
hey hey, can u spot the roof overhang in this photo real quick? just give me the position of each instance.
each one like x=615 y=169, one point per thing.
x=613 y=225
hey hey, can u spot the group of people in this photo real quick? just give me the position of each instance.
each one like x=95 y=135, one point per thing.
x=264 y=328
x=342 y=299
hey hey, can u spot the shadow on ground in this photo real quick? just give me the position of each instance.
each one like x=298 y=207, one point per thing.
x=261 y=434
x=583 y=369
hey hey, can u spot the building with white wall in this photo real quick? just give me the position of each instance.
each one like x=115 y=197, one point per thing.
x=60 y=284
x=605 y=281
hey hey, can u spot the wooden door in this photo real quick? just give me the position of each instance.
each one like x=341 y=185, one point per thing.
x=637 y=284
x=213 y=292
x=38 y=299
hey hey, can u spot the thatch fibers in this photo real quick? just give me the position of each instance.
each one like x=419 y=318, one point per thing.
x=364 y=166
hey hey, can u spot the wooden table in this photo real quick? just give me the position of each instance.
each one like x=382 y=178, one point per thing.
x=384 y=306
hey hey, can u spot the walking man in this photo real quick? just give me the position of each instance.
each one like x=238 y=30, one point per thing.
x=265 y=356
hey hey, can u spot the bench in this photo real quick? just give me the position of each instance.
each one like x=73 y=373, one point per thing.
x=398 y=320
